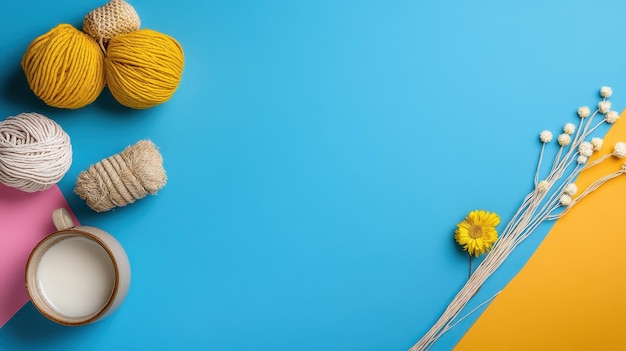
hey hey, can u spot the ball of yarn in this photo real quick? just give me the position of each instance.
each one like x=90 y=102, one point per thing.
x=143 y=68
x=64 y=67
x=114 y=18
x=121 y=179
x=35 y=153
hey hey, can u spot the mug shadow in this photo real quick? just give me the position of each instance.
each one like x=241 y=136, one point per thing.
x=30 y=328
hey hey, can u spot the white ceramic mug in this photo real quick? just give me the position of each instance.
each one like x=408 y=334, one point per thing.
x=77 y=275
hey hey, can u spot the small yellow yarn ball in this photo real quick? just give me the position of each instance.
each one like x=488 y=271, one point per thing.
x=143 y=68
x=64 y=67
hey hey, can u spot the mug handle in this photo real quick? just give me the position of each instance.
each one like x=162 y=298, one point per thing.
x=62 y=219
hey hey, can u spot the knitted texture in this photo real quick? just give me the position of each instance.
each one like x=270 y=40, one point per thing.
x=121 y=179
x=68 y=68
x=143 y=68
x=35 y=153
x=116 y=17
x=64 y=67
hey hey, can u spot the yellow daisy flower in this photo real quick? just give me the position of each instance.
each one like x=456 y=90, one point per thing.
x=477 y=232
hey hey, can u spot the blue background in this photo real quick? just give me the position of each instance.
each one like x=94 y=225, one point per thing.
x=319 y=155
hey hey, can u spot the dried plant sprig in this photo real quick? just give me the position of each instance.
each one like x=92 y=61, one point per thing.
x=551 y=198
x=612 y=117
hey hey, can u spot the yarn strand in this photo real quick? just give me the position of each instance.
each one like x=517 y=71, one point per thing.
x=35 y=152
x=64 y=67
x=69 y=68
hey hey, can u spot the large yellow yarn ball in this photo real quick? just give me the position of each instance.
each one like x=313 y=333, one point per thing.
x=64 y=67
x=143 y=68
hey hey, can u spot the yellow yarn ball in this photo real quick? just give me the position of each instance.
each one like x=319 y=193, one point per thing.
x=143 y=68
x=64 y=67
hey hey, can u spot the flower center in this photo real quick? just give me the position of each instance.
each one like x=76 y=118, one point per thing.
x=476 y=231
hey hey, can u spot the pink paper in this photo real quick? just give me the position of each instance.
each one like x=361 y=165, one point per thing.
x=25 y=219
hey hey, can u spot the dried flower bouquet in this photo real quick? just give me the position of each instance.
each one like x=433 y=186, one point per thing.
x=550 y=199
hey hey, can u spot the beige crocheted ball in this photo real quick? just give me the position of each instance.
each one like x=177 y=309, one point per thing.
x=116 y=17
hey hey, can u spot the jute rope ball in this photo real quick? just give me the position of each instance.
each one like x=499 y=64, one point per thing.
x=116 y=17
x=35 y=152
x=143 y=68
x=64 y=67
x=123 y=178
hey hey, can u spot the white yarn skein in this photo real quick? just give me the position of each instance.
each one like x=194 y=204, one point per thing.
x=35 y=152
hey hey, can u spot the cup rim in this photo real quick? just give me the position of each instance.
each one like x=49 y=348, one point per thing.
x=32 y=267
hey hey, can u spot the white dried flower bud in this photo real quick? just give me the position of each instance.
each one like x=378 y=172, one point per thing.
x=611 y=117
x=619 y=150
x=604 y=106
x=565 y=200
x=564 y=139
x=570 y=189
x=606 y=92
x=569 y=128
x=542 y=187
x=583 y=112
x=545 y=136
x=585 y=149
x=581 y=159
x=596 y=144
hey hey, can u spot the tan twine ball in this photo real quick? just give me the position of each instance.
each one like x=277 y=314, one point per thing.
x=35 y=152
x=114 y=18
x=123 y=178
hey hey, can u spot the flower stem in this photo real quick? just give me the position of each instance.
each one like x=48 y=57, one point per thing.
x=469 y=274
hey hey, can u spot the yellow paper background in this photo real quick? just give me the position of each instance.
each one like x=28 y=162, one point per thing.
x=571 y=294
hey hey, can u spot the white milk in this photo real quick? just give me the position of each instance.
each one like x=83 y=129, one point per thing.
x=76 y=276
